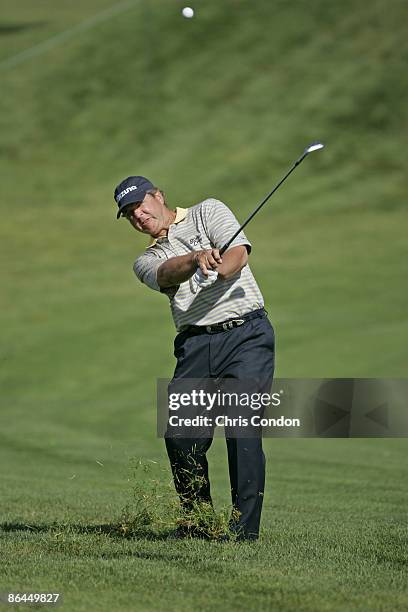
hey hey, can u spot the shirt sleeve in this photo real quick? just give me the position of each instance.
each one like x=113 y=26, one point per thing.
x=221 y=224
x=145 y=268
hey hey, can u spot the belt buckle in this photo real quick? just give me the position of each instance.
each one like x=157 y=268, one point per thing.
x=231 y=324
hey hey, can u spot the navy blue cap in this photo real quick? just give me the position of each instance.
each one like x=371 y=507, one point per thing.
x=131 y=190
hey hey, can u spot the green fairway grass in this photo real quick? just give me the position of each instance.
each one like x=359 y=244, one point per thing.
x=334 y=536
x=220 y=105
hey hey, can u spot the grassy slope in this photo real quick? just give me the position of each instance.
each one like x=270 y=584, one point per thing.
x=217 y=106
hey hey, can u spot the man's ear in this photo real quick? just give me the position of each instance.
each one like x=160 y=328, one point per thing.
x=158 y=195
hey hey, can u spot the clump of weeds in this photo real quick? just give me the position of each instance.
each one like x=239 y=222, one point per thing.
x=155 y=511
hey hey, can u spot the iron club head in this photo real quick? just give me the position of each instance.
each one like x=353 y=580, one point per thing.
x=314 y=146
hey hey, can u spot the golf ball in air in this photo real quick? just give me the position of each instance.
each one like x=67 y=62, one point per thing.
x=187 y=12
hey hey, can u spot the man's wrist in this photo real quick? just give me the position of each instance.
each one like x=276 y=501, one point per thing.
x=194 y=260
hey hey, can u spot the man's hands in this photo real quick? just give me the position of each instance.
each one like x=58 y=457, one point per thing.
x=207 y=263
x=181 y=268
x=211 y=265
x=208 y=259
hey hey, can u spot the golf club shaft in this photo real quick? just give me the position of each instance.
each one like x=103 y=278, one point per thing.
x=252 y=215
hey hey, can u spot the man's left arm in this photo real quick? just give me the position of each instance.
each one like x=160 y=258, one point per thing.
x=220 y=223
x=233 y=260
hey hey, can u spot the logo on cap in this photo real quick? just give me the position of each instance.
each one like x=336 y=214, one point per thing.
x=125 y=192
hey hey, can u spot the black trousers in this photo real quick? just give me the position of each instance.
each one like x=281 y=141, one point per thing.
x=245 y=352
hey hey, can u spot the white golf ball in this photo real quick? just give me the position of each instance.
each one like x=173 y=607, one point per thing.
x=187 y=12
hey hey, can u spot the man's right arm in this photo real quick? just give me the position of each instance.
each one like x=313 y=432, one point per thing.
x=177 y=270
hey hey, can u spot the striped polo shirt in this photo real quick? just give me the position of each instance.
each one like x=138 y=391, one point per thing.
x=206 y=225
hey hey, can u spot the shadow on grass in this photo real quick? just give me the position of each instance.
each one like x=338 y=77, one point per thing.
x=113 y=530
x=15 y=28
x=153 y=513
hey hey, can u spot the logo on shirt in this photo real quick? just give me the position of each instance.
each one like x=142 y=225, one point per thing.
x=196 y=240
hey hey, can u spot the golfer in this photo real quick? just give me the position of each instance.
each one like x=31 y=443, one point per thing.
x=223 y=331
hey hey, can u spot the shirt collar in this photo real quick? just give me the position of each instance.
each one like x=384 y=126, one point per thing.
x=181 y=214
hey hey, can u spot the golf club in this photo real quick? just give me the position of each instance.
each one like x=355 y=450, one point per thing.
x=314 y=146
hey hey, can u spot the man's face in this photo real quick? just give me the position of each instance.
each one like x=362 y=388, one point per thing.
x=148 y=216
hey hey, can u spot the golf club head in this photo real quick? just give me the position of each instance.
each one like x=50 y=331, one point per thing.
x=314 y=146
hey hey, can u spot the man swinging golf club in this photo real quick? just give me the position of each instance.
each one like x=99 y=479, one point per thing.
x=223 y=330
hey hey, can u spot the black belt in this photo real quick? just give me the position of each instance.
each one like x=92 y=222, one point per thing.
x=216 y=328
